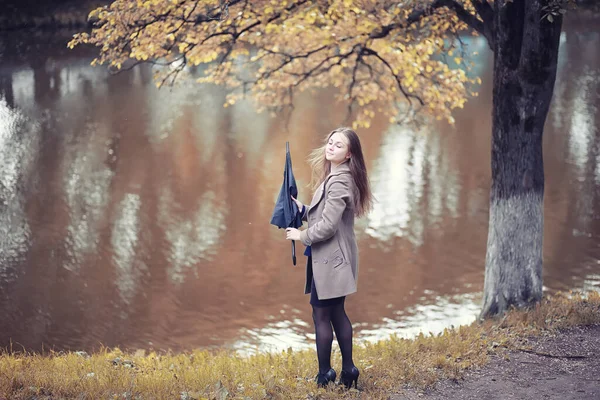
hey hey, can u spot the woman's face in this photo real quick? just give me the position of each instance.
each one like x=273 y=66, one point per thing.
x=337 y=150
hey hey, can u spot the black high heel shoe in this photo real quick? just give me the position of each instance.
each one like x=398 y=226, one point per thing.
x=324 y=379
x=347 y=378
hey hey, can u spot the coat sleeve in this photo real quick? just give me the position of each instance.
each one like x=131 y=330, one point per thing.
x=305 y=213
x=338 y=198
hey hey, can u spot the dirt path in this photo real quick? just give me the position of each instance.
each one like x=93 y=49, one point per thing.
x=564 y=366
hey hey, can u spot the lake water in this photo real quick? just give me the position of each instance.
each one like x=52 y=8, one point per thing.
x=139 y=218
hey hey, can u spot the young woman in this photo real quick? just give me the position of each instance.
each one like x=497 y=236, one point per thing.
x=342 y=193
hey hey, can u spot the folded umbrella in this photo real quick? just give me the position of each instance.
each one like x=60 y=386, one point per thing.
x=285 y=214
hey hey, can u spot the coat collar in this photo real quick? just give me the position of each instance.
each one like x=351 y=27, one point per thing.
x=341 y=169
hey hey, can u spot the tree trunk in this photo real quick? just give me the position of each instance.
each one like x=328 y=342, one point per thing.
x=525 y=60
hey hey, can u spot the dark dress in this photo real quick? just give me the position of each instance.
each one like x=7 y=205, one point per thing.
x=314 y=299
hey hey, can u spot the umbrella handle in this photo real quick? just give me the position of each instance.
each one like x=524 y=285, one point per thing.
x=293 y=252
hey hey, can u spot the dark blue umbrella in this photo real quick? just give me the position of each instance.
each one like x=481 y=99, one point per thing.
x=285 y=214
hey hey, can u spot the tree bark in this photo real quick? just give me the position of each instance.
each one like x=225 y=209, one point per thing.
x=525 y=61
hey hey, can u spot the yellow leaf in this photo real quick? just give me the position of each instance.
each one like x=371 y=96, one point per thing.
x=307 y=38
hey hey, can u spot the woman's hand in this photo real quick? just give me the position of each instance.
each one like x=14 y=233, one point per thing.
x=298 y=203
x=292 y=234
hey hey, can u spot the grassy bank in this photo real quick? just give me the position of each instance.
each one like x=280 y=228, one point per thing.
x=385 y=366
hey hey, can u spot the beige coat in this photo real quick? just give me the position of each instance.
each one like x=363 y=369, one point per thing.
x=330 y=234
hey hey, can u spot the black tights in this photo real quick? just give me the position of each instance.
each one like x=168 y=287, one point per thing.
x=325 y=318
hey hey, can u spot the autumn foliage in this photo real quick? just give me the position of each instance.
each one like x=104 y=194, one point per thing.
x=388 y=57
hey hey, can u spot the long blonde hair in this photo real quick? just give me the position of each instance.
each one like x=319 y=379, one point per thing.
x=321 y=167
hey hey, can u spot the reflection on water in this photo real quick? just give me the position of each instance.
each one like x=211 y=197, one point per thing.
x=18 y=143
x=582 y=118
x=432 y=316
x=428 y=318
x=191 y=240
x=592 y=282
x=136 y=217
x=86 y=181
x=124 y=240
x=275 y=337
x=409 y=168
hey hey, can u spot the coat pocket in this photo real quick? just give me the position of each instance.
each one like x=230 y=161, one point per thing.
x=337 y=258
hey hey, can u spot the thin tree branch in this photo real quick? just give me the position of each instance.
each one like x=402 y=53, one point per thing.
x=354 y=70
x=486 y=13
x=273 y=18
x=223 y=12
x=174 y=73
x=371 y=52
x=313 y=71
x=288 y=59
x=352 y=84
x=465 y=16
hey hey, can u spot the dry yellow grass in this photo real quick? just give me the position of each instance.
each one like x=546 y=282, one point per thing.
x=385 y=366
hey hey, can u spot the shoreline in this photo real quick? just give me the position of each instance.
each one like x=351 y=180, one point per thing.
x=388 y=368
